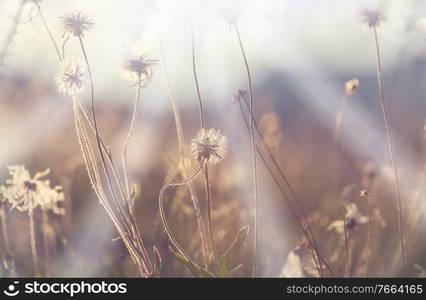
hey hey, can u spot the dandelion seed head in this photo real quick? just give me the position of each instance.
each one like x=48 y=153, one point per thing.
x=209 y=146
x=24 y=192
x=70 y=79
x=372 y=17
x=351 y=86
x=76 y=23
x=138 y=68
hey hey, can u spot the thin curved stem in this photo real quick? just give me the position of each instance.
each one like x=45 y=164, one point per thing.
x=181 y=142
x=33 y=242
x=209 y=216
x=130 y=227
x=7 y=257
x=52 y=39
x=94 y=177
x=129 y=135
x=254 y=159
x=386 y=118
x=206 y=177
x=346 y=247
x=307 y=232
x=194 y=70
x=369 y=233
x=98 y=140
x=163 y=216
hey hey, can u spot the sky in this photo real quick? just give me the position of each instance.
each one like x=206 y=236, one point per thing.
x=278 y=36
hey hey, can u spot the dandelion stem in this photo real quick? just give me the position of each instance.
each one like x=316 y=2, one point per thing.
x=129 y=135
x=138 y=257
x=52 y=39
x=163 y=216
x=209 y=215
x=319 y=260
x=206 y=172
x=132 y=227
x=254 y=159
x=8 y=261
x=194 y=69
x=33 y=243
x=368 y=248
x=346 y=247
x=46 y=241
x=180 y=138
x=390 y=148
x=97 y=136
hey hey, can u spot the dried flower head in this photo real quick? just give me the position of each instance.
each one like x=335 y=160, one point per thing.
x=363 y=193
x=138 y=68
x=209 y=146
x=351 y=86
x=24 y=192
x=76 y=23
x=372 y=17
x=241 y=95
x=353 y=219
x=70 y=79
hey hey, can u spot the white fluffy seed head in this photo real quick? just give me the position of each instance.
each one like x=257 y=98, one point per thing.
x=24 y=192
x=372 y=17
x=76 y=23
x=70 y=79
x=209 y=146
x=138 y=68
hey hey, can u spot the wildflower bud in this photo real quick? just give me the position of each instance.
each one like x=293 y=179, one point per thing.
x=363 y=193
x=351 y=86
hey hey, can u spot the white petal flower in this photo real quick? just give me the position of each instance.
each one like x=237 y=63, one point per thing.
x=209 y=146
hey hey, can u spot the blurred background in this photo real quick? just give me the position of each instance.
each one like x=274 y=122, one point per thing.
x=301 y=53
